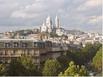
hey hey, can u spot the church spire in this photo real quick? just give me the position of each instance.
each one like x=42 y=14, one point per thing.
x=57 y=22
x=48 y=21
x=49 y=24
x=43 y=23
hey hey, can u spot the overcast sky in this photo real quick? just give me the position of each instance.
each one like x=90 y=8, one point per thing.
x=85 y=15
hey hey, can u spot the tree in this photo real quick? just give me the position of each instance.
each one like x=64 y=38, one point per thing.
x=82 y=71
x=64 y=60
x=97 y=46
x=74 y=70
x=89 y=51
x=51 y=67
x=29 y=65
x=97 y=60
x=23 y=66
x=15 y=68
x=2 y=69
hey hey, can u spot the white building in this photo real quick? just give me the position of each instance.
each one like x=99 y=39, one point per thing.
x=43 y=27
x=47 y=26
x=59 y=30
x=57 y=22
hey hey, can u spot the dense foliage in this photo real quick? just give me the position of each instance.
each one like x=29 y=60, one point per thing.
x=21 y=67
x=2 y=69
x=51 y=68
x=97 y=60
x=74 y=70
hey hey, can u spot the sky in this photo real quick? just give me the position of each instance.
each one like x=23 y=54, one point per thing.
x=84 y=15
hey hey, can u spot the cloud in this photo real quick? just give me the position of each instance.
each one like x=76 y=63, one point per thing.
x=35 y=9
x=75 y=14
x=89 y=4
x=95 y=19
x=93 y=3
x=21 y=14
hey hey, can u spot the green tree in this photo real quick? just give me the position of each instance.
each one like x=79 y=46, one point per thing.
x=51 y=67
x=89 y=52
x=15 y=68
x=97 y=60
x=74 y=70
x=29 y=65
x=82 y=71
x=64 y=60
x=23 y=66
x=2 y=69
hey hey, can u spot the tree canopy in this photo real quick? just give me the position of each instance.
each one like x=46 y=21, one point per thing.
x=97 y=60
x=23 y=66
x=51 y=67
x=74 y=70
x=2 y=69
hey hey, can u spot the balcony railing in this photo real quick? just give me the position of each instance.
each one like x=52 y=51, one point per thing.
x=1 y=56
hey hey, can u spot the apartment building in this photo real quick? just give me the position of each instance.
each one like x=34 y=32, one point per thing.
x=39 y=50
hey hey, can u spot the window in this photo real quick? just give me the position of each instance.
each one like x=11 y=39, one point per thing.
x=16 y=44
x=14 y=51
x=6 y=52
x=1 y=44
x=42 y=45
x=28 y=52
x=7 y=45
x=24 y=45
x=1 y=52
x=35 y=44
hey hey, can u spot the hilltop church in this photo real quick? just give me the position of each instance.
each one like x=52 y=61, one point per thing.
x=48 y=27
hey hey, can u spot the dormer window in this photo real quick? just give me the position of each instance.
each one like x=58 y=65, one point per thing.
x=35 y=44
x=16 y=44
x=7 y=45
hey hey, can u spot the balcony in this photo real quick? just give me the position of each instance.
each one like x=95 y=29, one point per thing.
x=9 y=56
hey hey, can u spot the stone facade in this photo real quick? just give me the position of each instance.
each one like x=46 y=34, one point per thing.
x=39 y=50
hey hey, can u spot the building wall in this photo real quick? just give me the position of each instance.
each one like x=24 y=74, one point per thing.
x=40 y=50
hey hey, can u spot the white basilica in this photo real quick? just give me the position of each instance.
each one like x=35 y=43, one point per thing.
x=48 y=27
